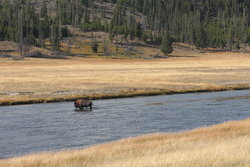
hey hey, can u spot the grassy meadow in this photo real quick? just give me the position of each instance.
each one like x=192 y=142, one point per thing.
x=225 y=145
x=34 y=80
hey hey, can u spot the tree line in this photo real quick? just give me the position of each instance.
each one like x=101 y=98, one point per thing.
x=22 y=23
x=203 y=23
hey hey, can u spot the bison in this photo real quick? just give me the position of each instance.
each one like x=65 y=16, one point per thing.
x=81 y=104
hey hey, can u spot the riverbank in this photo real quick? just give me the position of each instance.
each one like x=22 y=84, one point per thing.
x=50 y=80
x=123 y=95
x=221 y=145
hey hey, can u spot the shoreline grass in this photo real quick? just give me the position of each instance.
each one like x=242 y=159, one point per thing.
x=123 y=94
x=225 y=145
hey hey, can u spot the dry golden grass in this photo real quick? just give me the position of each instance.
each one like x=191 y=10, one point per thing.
x=41 y=80
x=225 y=145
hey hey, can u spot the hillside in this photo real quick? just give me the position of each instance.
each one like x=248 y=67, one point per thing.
x=125 y=24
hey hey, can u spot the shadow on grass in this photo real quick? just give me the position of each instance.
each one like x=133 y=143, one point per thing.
x=54 y=55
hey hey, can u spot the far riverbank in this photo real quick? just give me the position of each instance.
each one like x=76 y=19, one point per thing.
x=38 y=80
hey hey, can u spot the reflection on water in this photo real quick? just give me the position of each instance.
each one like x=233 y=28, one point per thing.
x=233 y=98
x=49 y=127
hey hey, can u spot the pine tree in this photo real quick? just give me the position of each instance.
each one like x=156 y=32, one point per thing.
x=44 y=11
x=193 y=37
x=166 y=46
x=43 y=24
x=201 y=37
x=248 y=36
x=55 y=36
x=94 y=44
x=138 y=30
x=106 y=48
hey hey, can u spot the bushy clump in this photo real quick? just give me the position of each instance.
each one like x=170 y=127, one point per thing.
x=36 y=54
x=65 y=32
x=39 y=54
x=94 y=47
x=5 y=56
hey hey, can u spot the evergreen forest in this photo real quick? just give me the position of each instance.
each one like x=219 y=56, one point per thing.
x=221 y=24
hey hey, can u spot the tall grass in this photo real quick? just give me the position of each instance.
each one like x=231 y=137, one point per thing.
x=225 y=145
x=39 y=80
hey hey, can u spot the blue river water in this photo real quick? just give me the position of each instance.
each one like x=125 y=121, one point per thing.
x=27 y=129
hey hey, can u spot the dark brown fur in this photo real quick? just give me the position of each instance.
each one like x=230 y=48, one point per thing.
x=81 y=104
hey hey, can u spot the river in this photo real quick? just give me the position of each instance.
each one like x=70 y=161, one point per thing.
x=27 y=129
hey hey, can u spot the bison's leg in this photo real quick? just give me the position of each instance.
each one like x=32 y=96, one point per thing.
x=75 y=105
x=83 y=107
